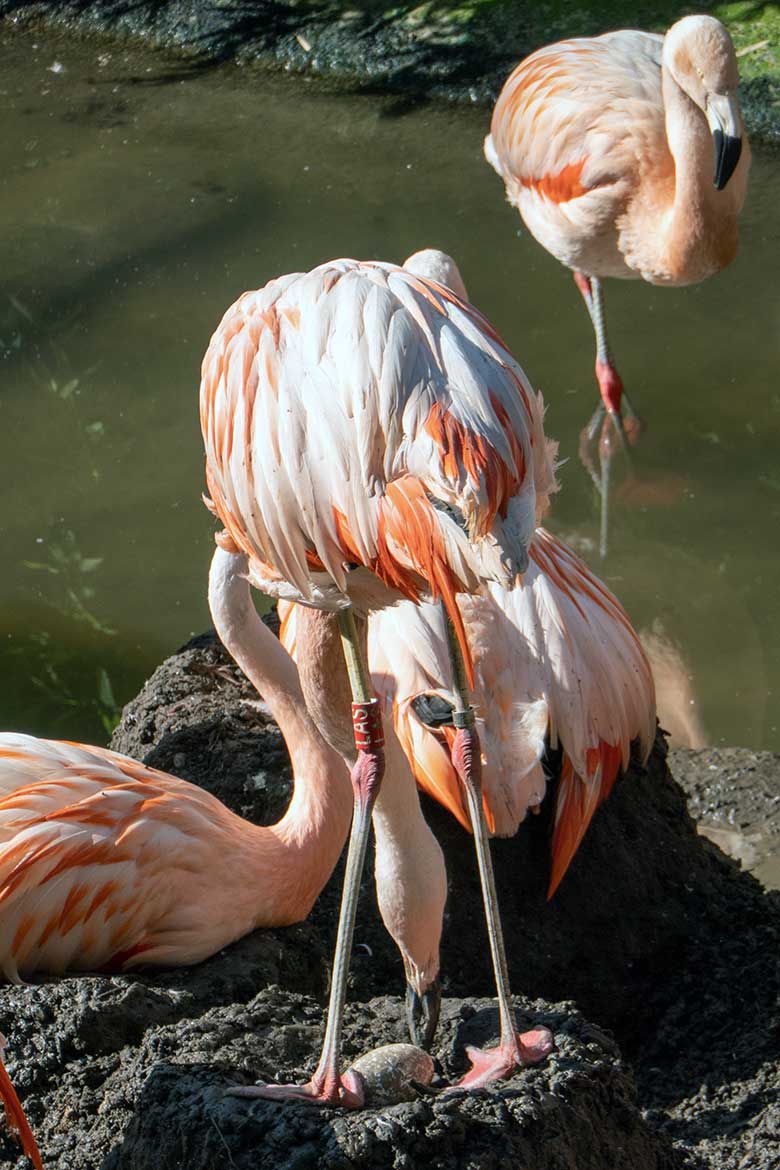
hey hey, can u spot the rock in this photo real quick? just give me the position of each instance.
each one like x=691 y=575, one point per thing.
x=159 y=1099
x=660 y=939
x=734 y=796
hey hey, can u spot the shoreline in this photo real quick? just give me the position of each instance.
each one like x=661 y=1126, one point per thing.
x=447 y=51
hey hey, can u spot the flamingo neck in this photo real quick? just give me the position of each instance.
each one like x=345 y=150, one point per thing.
x=701 y=225
x=411 y=880
x=296 y=856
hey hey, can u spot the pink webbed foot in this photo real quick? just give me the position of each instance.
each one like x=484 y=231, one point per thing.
x=341 y=1092
x=491 y=1064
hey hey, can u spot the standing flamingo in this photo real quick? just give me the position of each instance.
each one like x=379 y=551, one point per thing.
x=369 y=438
x=556 y=661
x=605 y=147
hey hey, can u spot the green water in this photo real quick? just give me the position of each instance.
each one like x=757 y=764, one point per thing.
x=138 y=200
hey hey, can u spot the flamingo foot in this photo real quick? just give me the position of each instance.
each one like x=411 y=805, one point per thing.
x=345 y=1092
x=491 y=1064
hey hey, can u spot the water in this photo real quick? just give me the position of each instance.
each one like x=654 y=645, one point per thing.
x=139 y=200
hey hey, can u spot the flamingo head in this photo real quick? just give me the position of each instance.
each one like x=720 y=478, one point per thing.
x=432 y=264
x=700 y=56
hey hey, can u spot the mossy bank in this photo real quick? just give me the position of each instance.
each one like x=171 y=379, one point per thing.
x=459 y=51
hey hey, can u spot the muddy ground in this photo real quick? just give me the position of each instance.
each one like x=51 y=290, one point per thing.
x=655 y=938
x=460 y=50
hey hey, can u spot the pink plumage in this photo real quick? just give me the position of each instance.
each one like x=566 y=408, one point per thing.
x=363 y=417
x=625 y=155
x=108 y=864
x=555 y=658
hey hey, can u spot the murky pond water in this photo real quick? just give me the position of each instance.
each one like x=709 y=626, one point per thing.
x=137 y=201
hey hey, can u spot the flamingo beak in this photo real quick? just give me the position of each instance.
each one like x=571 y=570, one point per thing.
x=726 y=125
x=422 y=1013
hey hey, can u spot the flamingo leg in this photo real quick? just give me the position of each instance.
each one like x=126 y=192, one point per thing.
x=15 y=1117
x=514 y=1050
x=607 y=421
x=327 y=1086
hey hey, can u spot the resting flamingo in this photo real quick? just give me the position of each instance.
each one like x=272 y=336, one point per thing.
x=605 y=146
x=106 y=864
x=369 y=438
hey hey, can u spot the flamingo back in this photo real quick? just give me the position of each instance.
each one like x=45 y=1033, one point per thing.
x=576 y=128
x=556 y=657
x=105 y=863
x=362 y=416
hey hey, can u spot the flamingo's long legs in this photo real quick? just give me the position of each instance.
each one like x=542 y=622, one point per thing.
x=513 y=1049
x=607 y=420
x=327 y=1086
x=15 y=1117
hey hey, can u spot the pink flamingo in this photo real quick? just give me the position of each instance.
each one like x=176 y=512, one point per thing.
x=369 y=438
x=605 y=145
x=106 y=864
x=556 y=660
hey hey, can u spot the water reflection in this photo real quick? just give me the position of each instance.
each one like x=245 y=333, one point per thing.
x=135 y=213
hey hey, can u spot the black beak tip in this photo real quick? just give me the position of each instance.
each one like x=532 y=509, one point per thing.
x=727 y=153
x=422 y=1014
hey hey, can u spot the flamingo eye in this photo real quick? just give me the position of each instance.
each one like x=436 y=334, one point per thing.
x=433 y=711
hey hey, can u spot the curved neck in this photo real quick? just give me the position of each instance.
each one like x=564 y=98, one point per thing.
x=312 y=832
x=411 y=880
x=700 y=234
x=690 y=144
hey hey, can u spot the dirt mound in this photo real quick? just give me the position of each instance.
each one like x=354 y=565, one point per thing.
x=653 y=933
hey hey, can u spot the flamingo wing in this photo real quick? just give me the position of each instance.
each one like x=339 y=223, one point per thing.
x=589 y=666
x=101 y=860
x=556 y=657
x=575 y=127
x=361 y=415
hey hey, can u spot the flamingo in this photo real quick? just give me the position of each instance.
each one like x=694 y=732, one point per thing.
x=605 y=146
x=108 y=864
x=556 y=662
x=15 y=1117
x=369 y=438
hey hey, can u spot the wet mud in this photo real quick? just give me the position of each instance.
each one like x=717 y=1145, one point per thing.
x=655 y=964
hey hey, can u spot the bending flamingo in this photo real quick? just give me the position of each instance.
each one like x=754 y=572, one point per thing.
x=557 y=663
x=605 y=145
x=369 y=438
